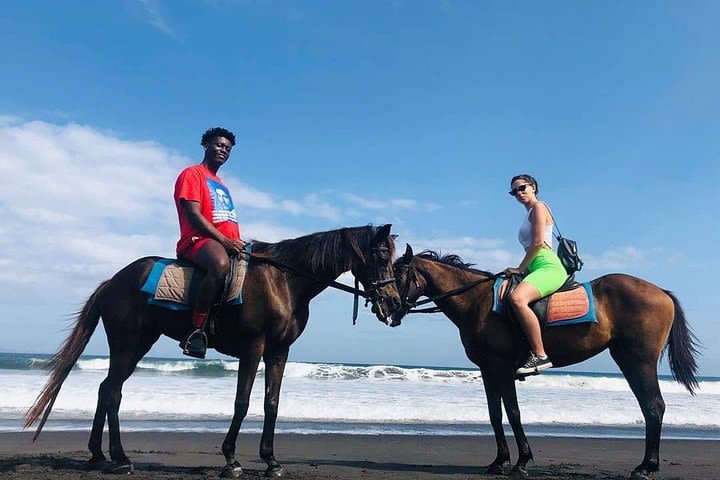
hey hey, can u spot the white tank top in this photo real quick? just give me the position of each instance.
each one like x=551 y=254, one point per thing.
x=525 y=233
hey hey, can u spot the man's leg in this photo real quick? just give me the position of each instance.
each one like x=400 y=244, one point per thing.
x=212 y=258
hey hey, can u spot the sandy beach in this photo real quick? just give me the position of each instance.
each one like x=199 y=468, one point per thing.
x=197 y=455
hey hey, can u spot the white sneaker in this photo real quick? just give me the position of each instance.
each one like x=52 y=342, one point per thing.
x=534 y=364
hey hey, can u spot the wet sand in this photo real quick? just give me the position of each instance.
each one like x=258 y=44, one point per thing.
x=62 y=455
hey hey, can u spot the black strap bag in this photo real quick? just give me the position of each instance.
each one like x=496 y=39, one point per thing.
x=567 y=251
x=568 y=254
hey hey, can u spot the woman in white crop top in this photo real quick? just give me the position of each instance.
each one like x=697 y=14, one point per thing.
x=541 y=265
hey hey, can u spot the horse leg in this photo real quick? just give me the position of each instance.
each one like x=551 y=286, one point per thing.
x=97 y=458
x=641 y=374
x=274 y=368
x=246 y=376
x=122 y=365
x=492 y=393
x=509 y=396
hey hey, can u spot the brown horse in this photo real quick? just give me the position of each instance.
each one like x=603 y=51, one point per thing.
x=274 y=314
x=636 y=321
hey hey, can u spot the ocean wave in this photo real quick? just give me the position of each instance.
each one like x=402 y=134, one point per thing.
x=316 y=371
x=575 y=381
x=378 y=373
x=556 y=381
x=23 y=361
x=186 y=398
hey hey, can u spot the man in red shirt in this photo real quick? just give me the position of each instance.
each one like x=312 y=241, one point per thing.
x=209 y=232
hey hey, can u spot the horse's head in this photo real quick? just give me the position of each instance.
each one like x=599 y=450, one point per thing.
x=374 y=270
x=409 y=286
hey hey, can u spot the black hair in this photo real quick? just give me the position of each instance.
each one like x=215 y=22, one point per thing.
x=211 y=133
x=528 y=178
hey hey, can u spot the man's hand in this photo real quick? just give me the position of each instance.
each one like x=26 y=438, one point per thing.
x=512 y=270
x=234 y=247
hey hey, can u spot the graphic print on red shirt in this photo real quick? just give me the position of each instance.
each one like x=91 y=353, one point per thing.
x=198 y=184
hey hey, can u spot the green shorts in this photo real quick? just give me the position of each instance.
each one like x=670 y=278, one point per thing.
x=546 y=272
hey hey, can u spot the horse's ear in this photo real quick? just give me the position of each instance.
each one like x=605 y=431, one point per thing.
x=408 y=253
x=383 y=232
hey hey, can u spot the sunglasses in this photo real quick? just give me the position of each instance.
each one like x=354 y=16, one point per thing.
x=519 y=188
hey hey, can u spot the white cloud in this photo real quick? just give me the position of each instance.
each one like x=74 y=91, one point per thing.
x=468 y=242
x=155 y=17
x=619 y=259
x=486 y=253
x=390 y=204
x=7 y=120
x=76 y=170
x=291 y=206
x=268 y=232
x=45 y=216
x=317 y=207
x=311 y=205
x=77 y=204
x=403 y=203
x=363 y=202
x=244 y=195
x=493 y=255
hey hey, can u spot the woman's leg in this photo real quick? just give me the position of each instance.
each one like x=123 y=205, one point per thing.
x=520 y=299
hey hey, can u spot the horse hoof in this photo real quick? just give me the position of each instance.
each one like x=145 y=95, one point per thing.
x=495 y=469
x=275 y=472
x=518 y=473
x=231 y=471
x=121 y=468
x=640 y=475
x=96 y=463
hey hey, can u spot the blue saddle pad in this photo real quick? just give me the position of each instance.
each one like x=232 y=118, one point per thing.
x=541 y=307
x=151 y=284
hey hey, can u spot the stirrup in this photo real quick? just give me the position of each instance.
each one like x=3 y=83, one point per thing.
x=195 y=353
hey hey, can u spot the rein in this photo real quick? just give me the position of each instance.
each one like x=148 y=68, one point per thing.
x=412 y=277
x=368 y=295
x=294 y=269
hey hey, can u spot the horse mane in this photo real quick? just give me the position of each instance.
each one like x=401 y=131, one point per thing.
x=453 y=260
x=320 y=252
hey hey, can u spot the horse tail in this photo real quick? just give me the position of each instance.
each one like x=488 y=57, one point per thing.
x=62 y=362
x=682 y=348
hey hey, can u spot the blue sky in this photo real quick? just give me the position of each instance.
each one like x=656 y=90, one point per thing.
x=348 y=113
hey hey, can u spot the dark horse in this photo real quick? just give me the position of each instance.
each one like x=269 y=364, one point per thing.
x=636 y=321
x=273 y=316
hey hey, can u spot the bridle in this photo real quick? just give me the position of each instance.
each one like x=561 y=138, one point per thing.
x=411 y=277
x=409 y=306
x=372 y=292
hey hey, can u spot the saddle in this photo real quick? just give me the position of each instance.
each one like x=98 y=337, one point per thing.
x=172 y=283
x=571 y=304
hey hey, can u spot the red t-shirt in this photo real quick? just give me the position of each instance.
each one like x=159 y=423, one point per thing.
x=199 y=184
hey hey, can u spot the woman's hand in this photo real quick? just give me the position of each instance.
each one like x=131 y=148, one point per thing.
x=512 y=271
